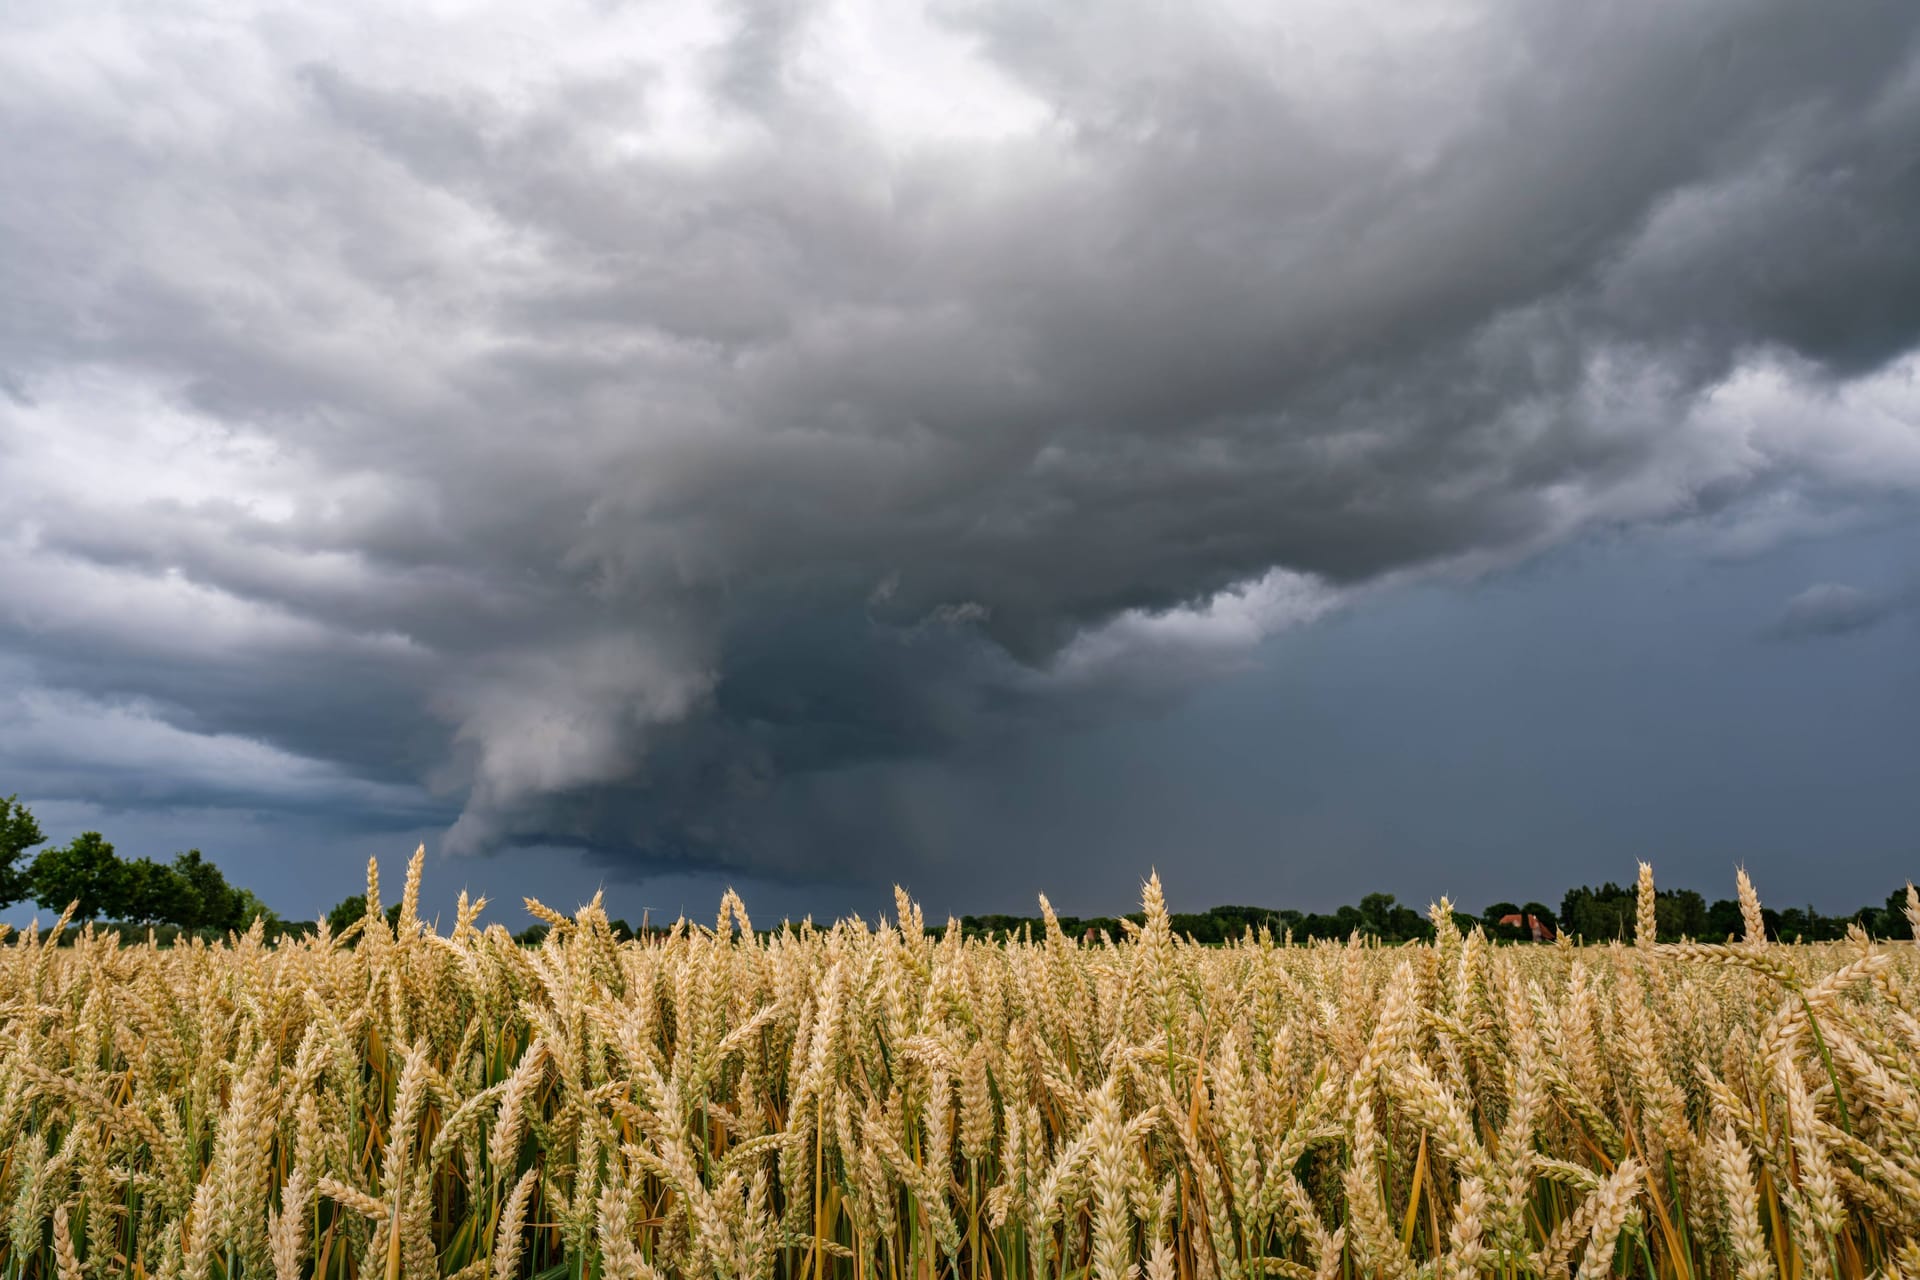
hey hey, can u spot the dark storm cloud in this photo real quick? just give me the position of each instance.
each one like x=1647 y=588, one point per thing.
x=624 y=432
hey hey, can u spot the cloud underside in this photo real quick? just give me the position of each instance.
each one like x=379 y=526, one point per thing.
x=624 y=427
x=1833 y=609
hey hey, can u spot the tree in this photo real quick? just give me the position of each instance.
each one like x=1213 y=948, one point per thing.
x=348 y=912
x=1382 y=916
x=250 y=908
x=1724 y=920
x=1490 y=921
x=19 y=832
x=1613 y=912
x=1892 y=922
x=155 y=893
x=208 y=901
x=1680 y=913
x=1598 y=914
x=85 y=872
x=1376 y=915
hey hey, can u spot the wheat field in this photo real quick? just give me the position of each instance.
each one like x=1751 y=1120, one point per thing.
x=870 y=1101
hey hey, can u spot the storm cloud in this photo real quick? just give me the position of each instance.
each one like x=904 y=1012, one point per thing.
x=618 y=425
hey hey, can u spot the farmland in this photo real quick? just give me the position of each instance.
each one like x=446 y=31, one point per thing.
x=399 y=1101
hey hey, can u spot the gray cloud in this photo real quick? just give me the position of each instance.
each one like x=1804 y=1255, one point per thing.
x=1832 y=609
x=524 y=415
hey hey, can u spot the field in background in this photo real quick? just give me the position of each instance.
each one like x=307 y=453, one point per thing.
x=871 y=1102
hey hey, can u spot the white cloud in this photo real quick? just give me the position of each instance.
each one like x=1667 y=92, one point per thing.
x=1219 y=632
x=125 y=754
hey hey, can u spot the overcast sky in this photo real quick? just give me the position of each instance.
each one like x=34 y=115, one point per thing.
x=995 y=446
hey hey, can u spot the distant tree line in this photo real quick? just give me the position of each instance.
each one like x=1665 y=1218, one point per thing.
x=1608 y=912
x=1379 y=915
x=190 y=895
x=1591 y=914
x=350 y=910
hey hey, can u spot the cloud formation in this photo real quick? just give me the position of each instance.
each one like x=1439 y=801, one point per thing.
x=1832 y=609
x=619 y=424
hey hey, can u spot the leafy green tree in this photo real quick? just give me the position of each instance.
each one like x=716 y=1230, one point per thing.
x=250 y=908
x=1892 y=922
x=1680 y=913
x=1490 y=921
x=1724 y=920
x=86 y=872
x=1611 y=911
x=348 y=911
x=207 y=900
x=1804 y=924
x=1385 y=918
x=1543 y=913
x=1598 y=914
x=19 y=832
x=155 y=893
